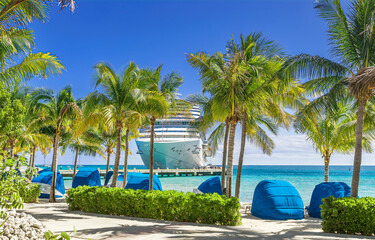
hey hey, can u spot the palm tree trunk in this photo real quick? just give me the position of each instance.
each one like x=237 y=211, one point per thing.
x=232 y=134
x=34 y=150
x=108 y=160
x=75 y=163
x=31 y=157
x=151 y=175
x=358 y=148
x=52 y=197
x=126 y=158
x=224 y=162
x=117 y=156
x=326 y=168
x=12 y=149
x=240 y=160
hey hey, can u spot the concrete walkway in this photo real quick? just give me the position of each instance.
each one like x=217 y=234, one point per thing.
x=58 y=218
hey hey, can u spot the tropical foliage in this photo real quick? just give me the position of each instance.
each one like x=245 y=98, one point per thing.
x=352 y=45
x=158 y=95
x=247 y=85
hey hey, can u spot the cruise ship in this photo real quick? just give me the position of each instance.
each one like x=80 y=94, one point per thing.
x=177 y=142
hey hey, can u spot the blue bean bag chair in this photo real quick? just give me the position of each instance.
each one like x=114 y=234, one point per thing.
x=140 y=181
x=44 y=179
x=324 y=190
x=87 y=177
x=277 y=200
x=211 y=185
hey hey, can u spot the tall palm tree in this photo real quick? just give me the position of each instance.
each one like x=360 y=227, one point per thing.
x=218 y=135
x=132 y=123
x=266 y=91
x=116 y=100
x=236 y=79
x=361 y=87
x=222 y=78
x=352 y=43
x=56 y=112
x=158 y=98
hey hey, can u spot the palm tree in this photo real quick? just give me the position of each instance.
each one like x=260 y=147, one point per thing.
x=30 y=139
x=15 y=42
x=266 y=91
x=56 y=112
x=361 y=87
x=236 y=81
x=116 y=101
x=221 y=79
x=333 y=131
x=352 y=43
x=218 y=135
x=21 y=12
x=87 y=144
x=108 y=138
x=159 y=98
x=133 y=122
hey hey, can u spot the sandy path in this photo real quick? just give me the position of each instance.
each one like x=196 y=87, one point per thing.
x=96 y=226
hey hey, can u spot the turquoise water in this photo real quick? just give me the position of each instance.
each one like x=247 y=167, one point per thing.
x=304 y=178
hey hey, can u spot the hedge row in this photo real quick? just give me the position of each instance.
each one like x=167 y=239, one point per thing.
x=349 y=215
x=164 y=205
x=29 y=192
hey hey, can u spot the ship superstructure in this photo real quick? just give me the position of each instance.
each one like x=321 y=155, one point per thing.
x=177 y=141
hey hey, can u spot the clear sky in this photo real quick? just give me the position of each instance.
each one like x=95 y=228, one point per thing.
x=153 y=32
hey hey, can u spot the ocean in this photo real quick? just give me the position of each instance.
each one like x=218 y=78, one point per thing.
x=304 y=178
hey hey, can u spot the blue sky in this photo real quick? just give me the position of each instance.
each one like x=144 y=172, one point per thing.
x=162 y=32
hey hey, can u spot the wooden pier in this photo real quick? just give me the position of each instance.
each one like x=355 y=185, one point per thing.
x=163 y=172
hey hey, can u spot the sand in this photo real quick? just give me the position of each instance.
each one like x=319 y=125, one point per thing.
x=58 y=218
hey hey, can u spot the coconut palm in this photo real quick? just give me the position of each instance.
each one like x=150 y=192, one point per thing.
x=361 y=87
x=87 y=144
x=222 y=78
x=115 y=102
x=21 y=12
x=334 y=131
x=15 y=41
x=56 y=113
x=233 y=82
x=158 y=99
x=352 y=43
x=266 y=91
x=108 y=138
x=132 y=123
x=218 y=135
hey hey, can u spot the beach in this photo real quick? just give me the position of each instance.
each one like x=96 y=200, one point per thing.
x=58 y=218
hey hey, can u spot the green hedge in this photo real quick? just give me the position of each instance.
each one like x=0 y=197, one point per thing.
x=29 y=192
x=165 y=205
x=349 y=215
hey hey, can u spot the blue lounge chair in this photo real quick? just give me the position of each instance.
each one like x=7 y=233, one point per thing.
x=277 y=200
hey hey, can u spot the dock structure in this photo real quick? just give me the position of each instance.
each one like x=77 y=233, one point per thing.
x=163 y=172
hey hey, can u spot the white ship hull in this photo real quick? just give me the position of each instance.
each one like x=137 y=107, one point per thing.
x=184 y=154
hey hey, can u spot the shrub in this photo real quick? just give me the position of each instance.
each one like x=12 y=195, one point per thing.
x=29 y=192
x=349 y=215
x=164 y=205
